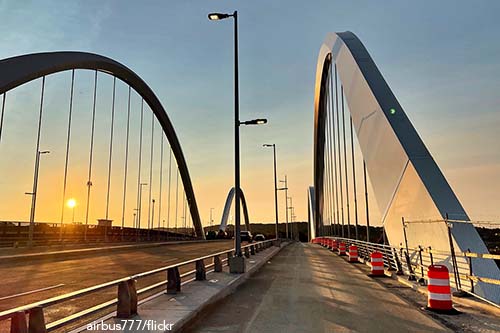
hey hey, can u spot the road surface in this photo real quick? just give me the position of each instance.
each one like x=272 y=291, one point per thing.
x=26 y=281
x=305 y=288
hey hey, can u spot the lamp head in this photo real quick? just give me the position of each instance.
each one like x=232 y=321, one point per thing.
x=218 y=16
x=260 y=121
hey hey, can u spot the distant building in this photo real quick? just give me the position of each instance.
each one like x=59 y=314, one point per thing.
x=104 y=222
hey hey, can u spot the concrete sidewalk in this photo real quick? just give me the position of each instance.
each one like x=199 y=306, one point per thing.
x=308 y=289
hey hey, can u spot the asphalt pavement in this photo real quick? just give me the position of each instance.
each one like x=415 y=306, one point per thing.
x=306 y=288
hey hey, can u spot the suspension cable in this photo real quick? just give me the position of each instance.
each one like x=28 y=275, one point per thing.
x=111 y=145
x=333 y=129
x=366 y=204
x=345 y=166
x=169 y=183
x=68 y=137
x=176 y=198
x=331 y=152
x=139 y=189
x=161 y=178
x=126 y=162
x=354 y=182
x=150 y=223
x=341 y=206
x=91 y=156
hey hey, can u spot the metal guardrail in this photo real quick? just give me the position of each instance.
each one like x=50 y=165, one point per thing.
x=15 y=233
x=414 y=263
x=126 y=299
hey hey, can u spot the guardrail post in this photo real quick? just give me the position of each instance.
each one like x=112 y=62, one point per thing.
x=217 y=264
x=257 y=247
x=229 y=255
x=252 y=250
x=173 y=280
x=247 y=253
x=201 y=274
x=18 y=323
x=127 y=299
x=37 y=320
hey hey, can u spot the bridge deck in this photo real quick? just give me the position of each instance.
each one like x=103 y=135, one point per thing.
x=307 y=289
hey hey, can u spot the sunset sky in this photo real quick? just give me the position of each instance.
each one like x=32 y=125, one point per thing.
x=441 y=59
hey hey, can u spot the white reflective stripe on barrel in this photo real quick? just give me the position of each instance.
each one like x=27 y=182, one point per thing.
x=377 y=268
x=438 y=282
x=377 y=259
x=439 y=297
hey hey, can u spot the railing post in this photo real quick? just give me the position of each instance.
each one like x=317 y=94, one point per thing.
x=470 y=272
x=18 y=323
x=173 y=280
x=257 y=247
x=229 y=255
x=398 y=263
x=247 y=253
x=201 y=274
x=127 y=299
x=217 y=264
x=37 y=320
x=252 y=250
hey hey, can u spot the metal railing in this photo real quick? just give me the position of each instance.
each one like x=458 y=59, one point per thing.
x=127 y=293
x=414 y=263
x=15 y=233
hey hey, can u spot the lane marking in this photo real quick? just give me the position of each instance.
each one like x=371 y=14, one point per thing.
x=32 y=291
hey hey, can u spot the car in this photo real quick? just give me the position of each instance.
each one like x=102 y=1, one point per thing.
x=259 y=238
x=246 y=236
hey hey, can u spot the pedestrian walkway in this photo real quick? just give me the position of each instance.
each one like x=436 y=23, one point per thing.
x=306 y=288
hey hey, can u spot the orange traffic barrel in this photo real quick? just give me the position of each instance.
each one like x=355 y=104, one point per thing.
x=341 y=249
x=353 y=253
x=438 y=289
x=377 y=264
x=335 y=245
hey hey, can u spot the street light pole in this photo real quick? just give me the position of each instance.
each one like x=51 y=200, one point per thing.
x=237 y=140
x=291 y=216
x=152 y=217
x=239 y=263
x=275 y=187
x=33 y=196
x=139 y=211
x=211 y=220
x=286 y=202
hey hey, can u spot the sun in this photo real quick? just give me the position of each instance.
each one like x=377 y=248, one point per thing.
x=71 y=203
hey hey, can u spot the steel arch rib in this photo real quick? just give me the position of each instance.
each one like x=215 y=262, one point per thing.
x=406 y=180
x=18 y=70
x=227 y=208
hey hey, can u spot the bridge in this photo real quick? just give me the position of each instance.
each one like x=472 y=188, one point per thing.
x=99 y=151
